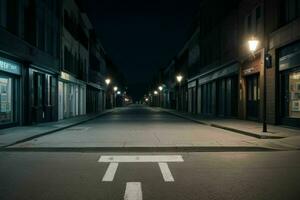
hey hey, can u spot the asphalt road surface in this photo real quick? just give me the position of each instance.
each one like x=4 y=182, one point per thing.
x=27 y=173
x=215 y=175
x=140 y=126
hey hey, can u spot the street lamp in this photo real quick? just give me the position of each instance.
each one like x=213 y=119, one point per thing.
x=107 y=81
x=119 y=92
x=160 y=88
x=179 y=78
x=155 y=92
x=115 y=96
x=253 y=44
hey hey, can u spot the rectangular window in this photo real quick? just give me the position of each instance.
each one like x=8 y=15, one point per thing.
x=249 y=23
x=294 y=93
x=6 y=100
x=12 y=16
x=290 y=10
x=258 y=13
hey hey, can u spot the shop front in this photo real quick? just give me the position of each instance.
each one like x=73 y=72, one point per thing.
x=289 y=72
x=218 y=91
x=71 y=97
x=10 y=75
x=95 y=99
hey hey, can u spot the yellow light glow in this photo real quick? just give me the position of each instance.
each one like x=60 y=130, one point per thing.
x=179 y=78
x=107 y=81
x=253 y=43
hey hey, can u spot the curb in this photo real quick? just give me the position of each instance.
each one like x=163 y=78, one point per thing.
x=141 y=149
x=55 y=130
x=225 y=127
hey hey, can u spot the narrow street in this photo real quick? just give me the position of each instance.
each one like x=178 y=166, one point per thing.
x=28 y=173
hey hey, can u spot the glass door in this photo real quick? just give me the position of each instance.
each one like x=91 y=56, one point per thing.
x=290 y=97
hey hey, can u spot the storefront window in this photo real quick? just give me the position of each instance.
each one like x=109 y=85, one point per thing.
x=294 y=90
x=6 y=100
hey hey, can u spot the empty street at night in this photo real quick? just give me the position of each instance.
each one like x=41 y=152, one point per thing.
x=149 y=100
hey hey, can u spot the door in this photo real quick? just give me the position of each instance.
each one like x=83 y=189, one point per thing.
x=38 y=97
x=60 y=100
x=253 y=97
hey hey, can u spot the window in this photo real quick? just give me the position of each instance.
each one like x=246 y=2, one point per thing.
x=41 y=32
x=290 y=9
x=12 y=16
x=258 y=13
x=249 y=23
x=6 y=100
x=294 y=94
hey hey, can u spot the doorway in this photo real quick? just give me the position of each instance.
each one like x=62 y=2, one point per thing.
x=253 y=97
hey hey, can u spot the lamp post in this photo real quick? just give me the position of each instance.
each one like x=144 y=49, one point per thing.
x=253 y=44
x=115 y=97
x=160 y=88
x=107 y=81
x=179 y=78
x=155 y=99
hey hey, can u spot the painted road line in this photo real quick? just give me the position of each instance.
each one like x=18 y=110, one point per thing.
x=133 y=191
x=148 y=158
x=165 y=171
x=110 y=172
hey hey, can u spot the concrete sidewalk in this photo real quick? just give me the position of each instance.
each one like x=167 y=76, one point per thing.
x=245 y=127
x=15 y=135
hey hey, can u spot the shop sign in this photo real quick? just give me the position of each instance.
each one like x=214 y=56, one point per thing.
x=192 y=84
x=9 y=66
x=250 y=70
x=251 y=66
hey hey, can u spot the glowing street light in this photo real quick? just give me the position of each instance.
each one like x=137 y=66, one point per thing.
x=107 y=81
x=160 y=88
x=119 y=92
x=155 y=92
x=253 y=44
x=179 y=78
x=115 y=88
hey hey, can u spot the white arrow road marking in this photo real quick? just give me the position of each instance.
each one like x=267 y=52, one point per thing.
x=165 y=171
x=110 y=172
x=150 y=158
x=133 y=191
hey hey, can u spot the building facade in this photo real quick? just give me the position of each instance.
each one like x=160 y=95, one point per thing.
x=29 y=61
x=52 y=65
x=223 y=78
x=96 y=89
x=75 y=61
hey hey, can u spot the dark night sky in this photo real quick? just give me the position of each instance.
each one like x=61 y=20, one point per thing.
x=141 y=36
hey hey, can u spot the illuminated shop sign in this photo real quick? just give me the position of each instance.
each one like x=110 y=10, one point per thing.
x=9 y=66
